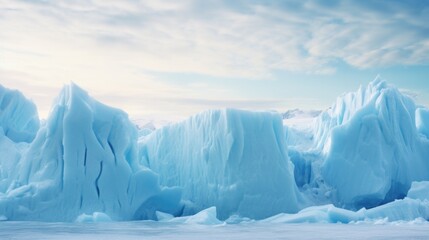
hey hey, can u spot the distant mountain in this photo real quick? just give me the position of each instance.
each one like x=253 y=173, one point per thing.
x=298 y=113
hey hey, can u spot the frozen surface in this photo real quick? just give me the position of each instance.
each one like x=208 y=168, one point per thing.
x=205 y=225
x=413 y=207
x=232 y=159
x=160 y=230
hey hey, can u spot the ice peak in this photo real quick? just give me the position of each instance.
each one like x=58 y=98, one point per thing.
x=71 y=92
x=18 y=116
x=378 y=83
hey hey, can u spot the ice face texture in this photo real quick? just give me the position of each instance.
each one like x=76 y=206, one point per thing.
x=18 y=116
x=373 y=149
x=422 y=121
x=83 y=160
x=234 y=160
x=87 y=162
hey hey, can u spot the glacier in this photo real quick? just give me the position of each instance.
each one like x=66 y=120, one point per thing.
x=365 y=158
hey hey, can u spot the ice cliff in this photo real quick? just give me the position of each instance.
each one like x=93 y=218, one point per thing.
x=234 y=160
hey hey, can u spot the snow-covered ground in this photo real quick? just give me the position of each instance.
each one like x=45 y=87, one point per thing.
x=156 y=230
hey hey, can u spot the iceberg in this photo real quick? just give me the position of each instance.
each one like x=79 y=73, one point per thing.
x=82 y=161
x=232 y=159
x=373 y=149
x=364 y=151
x=365 y=158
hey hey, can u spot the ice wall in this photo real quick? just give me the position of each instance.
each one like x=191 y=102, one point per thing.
x=83 y=160
x=371 y=147
x=234 y=160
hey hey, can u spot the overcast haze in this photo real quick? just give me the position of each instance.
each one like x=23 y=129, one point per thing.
x=169 y=59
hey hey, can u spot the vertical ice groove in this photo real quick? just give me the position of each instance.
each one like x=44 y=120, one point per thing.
x=100 y=143
x=81 y=202
x=85 y=157
x=112 y=151
x=62 y=167
x=97 y=187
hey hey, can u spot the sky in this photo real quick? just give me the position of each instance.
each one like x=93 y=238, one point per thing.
x=166 y=60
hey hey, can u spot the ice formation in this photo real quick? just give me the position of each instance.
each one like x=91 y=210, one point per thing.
x=422 y=122
x=232 y=159
x=19 y=120
x=83 y=160
x=372 y=147
x=94 y=217
x=364 y=158
x=414 y=206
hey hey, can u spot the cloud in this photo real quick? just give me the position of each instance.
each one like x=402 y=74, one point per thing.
x=248 y=39
x=410 y=93
x=106 y=45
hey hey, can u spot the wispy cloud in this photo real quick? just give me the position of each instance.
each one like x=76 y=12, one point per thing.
x=248 y=39
x=103 y=44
